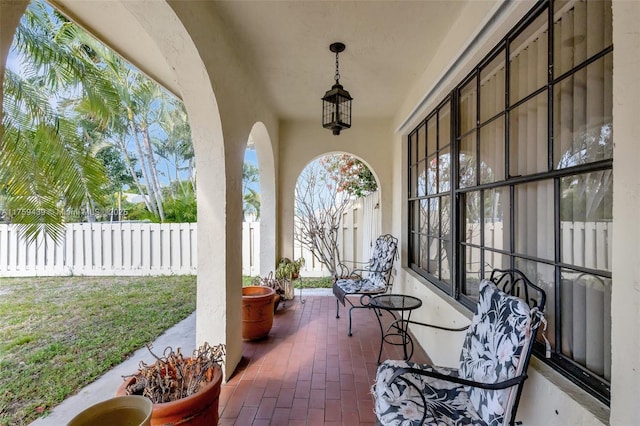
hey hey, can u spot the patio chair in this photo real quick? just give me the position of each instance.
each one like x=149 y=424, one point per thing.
x=375 y=278
x=486 y=388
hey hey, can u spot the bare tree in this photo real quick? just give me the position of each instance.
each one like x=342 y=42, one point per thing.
x=319 y=208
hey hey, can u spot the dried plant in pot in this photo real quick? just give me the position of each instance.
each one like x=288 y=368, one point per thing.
x=184 y=390
x=276 y=284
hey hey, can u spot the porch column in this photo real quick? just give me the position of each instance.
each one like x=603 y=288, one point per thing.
x=625 y=297
x=218 y=163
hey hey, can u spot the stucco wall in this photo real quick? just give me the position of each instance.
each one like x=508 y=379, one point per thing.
x=625 y=296
x=219 y=159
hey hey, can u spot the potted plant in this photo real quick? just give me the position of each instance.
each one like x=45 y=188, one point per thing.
x=130 y=410
x=257 y=311
x=183 y=390
x=289 y=269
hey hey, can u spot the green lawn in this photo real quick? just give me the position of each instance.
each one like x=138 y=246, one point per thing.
x=59 y=334
x=304 y=282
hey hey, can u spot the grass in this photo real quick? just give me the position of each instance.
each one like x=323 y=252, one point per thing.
x=59 y=334
x=304 y=282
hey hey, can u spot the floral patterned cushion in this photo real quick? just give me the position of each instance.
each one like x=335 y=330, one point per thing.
x=398 y=404
x=382 y=260
x=500 y=328
x=378 y=270
x=350 y=286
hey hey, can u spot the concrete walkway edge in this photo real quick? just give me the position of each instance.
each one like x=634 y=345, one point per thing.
x=181 y=335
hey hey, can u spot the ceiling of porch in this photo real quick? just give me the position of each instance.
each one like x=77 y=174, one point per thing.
x=389 y=45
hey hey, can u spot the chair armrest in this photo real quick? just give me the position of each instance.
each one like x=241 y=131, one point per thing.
x=439 y=327
x=453 y=379
x=344 y=262
x=344 y=271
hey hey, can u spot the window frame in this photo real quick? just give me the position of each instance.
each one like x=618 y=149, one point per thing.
x=591 y=382
x=414 y=198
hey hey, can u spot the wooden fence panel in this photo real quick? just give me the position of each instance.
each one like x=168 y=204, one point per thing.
x=102 y=249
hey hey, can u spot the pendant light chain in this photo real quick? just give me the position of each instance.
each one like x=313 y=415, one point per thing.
x=337 y=76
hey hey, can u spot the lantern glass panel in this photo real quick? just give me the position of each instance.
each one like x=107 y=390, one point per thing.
x=344 y=109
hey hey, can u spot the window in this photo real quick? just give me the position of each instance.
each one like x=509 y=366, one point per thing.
x=530 y=186
x=430 y=196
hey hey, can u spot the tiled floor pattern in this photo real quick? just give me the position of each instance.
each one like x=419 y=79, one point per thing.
x=308 y=371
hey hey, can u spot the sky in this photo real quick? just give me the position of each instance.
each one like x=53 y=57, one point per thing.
x=251 y=157
x=13 y=62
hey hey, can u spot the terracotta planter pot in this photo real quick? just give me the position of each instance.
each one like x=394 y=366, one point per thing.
x=200 y=409
x=257 y=311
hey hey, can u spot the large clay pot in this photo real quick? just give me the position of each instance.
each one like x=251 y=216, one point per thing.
x=257 y=311
x=130 y=410
x=199 y=409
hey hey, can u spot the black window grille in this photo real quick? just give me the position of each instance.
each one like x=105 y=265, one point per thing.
x=514 y=169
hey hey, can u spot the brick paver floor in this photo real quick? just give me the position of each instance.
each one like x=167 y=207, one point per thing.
x=308 y=371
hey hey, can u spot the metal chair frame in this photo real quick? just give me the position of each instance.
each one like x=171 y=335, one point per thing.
x=345 y=271
x=512 y=282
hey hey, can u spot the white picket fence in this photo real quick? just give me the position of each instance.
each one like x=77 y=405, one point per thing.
x=360 y=226
x=126 y=248
x=102 y=248
x=584 y=244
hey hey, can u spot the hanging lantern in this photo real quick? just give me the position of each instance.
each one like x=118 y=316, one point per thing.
x=336 y=103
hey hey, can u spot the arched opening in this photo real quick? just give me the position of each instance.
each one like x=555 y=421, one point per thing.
x=267 y=181
x=337 y=213
x=192 y=79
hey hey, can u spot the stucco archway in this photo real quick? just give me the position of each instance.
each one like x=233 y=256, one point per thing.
x=215 y=322
x=301 y=142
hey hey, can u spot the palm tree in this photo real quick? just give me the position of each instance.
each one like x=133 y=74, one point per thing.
x=176 y=149
x=74 y=98
x=48 y=169
x=250 y=197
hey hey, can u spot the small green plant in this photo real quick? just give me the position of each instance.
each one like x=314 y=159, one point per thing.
x=289 y=269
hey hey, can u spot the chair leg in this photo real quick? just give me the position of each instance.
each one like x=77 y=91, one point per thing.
x=337 y=308
x=350 y=309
